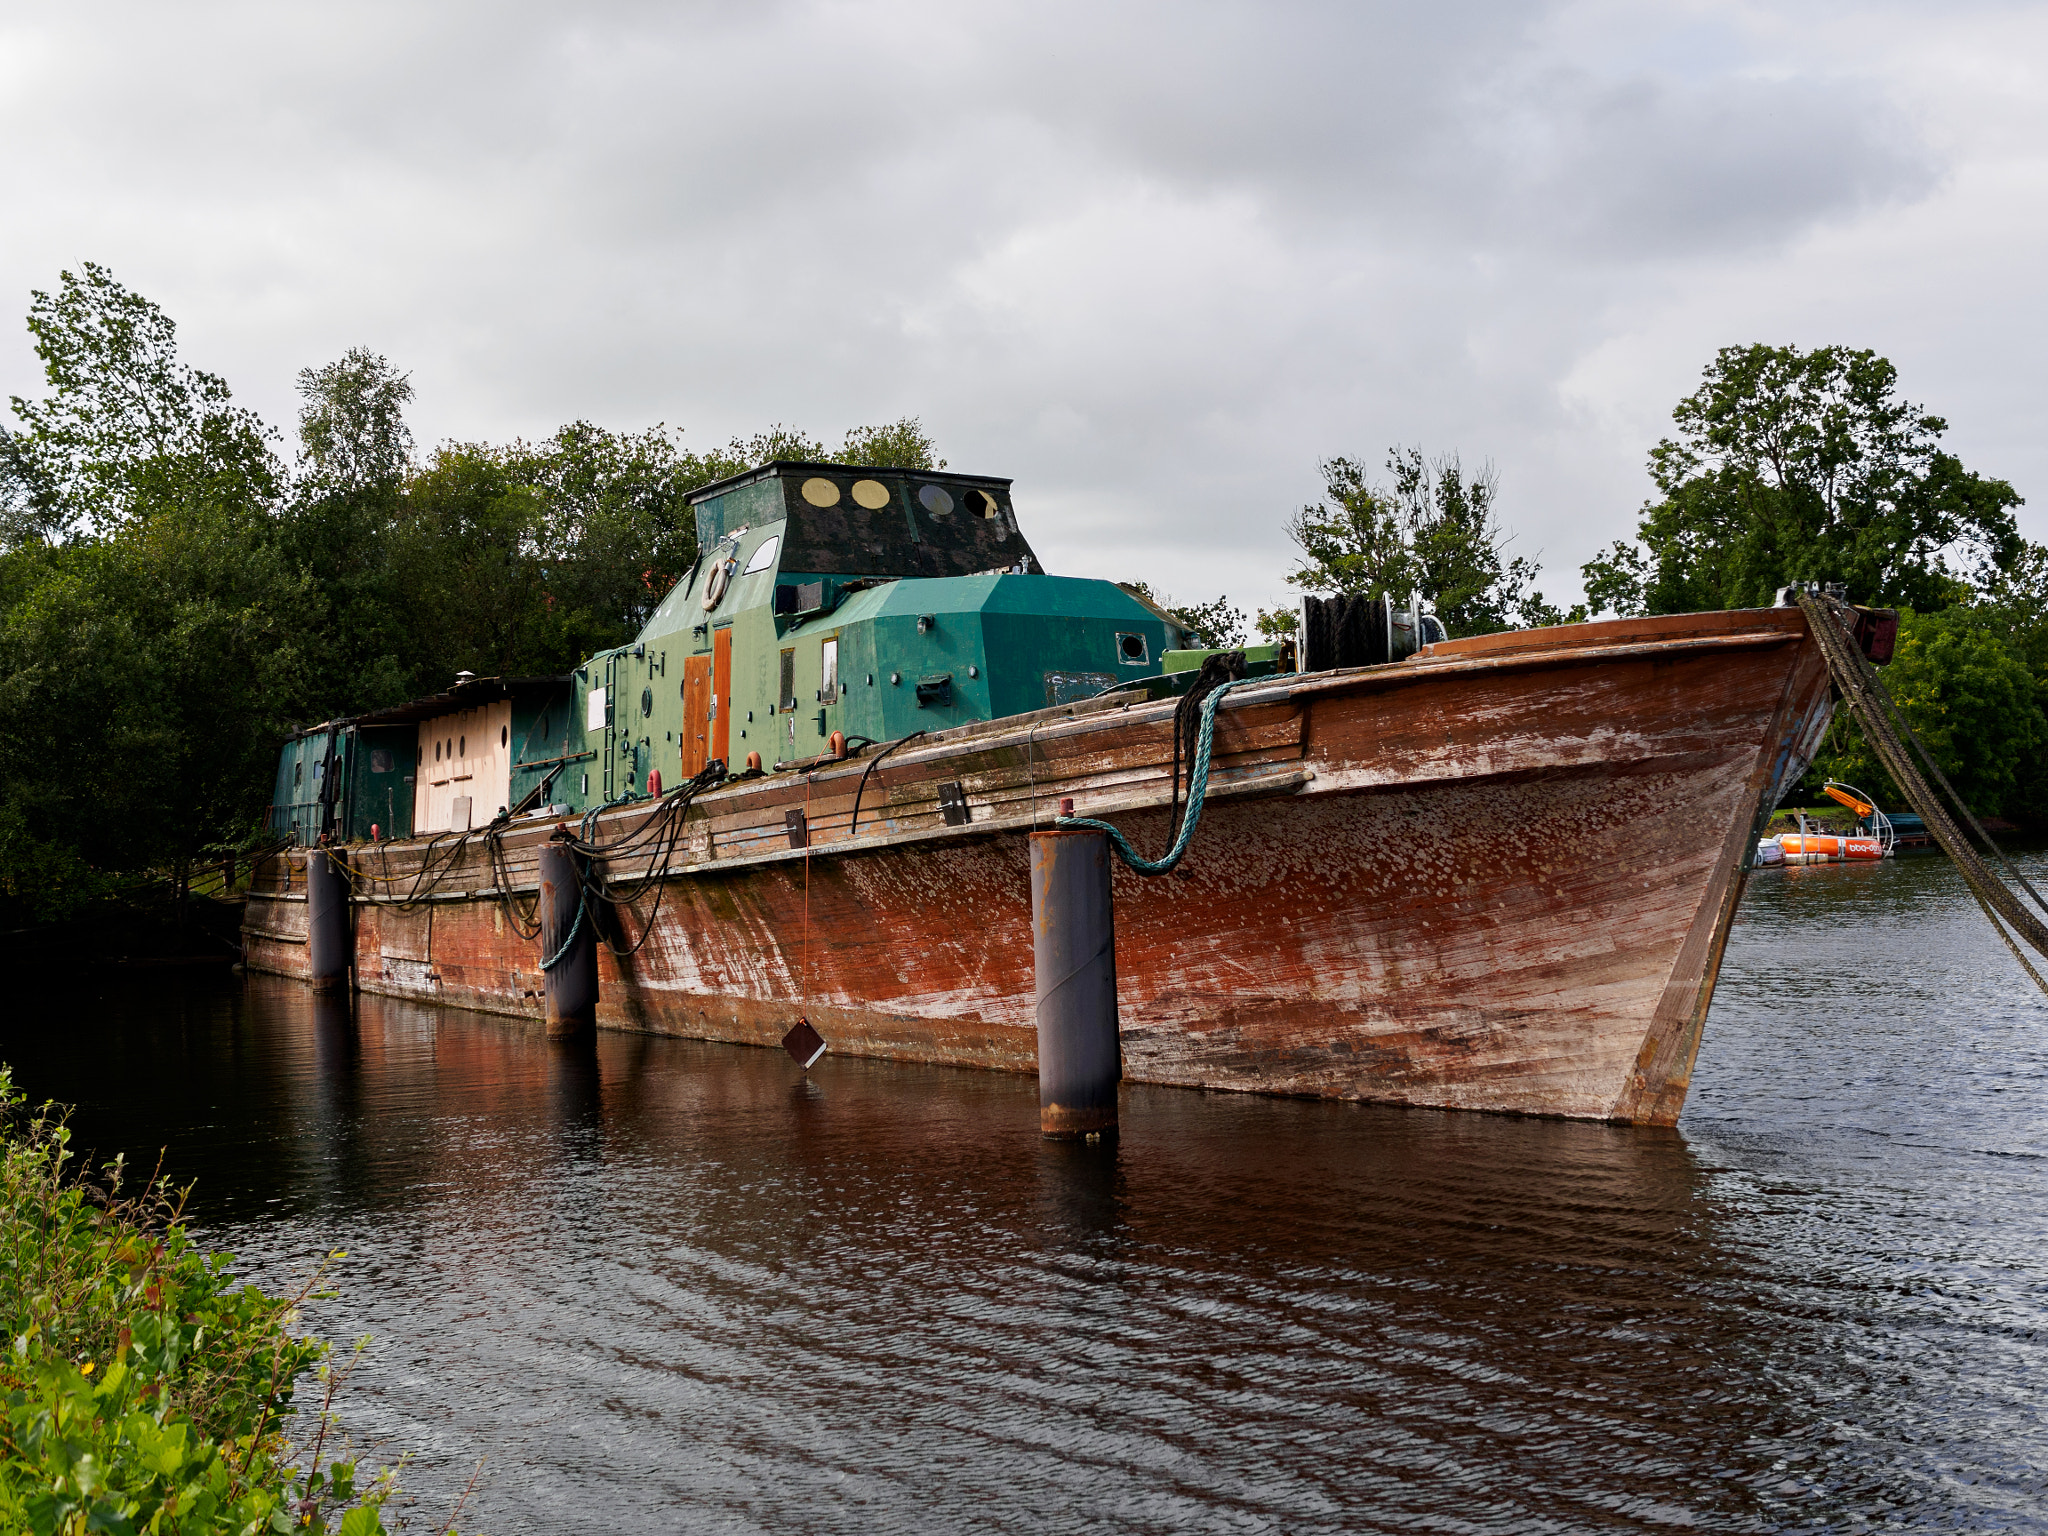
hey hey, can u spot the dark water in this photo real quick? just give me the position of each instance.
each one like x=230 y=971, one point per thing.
x=664 y=1286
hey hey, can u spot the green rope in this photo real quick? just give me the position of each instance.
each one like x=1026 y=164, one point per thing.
x=582 y=902
x=1198 y=790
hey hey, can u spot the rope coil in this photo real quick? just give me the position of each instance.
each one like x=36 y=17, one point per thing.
x=1198 y=789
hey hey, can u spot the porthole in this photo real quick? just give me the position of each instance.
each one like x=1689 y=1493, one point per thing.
x=871 y=494
x=820 y=492
x=462 y=746
x=437 y=751
x=984 y=504
x=646 y=701
x=935 y=500
x=504 y=735
x=1131 y=650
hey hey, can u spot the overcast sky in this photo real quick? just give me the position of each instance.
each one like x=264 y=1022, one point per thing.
x=1153 y=261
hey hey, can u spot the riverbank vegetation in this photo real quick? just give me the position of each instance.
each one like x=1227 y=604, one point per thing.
x=144 y=1388
x=1809 y=466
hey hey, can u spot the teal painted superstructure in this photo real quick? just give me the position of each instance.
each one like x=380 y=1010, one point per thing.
x=908 y=601
x=344 y=777
x=826 y=599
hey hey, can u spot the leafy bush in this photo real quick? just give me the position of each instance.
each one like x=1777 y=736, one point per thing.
x=143 y=1389
x=1970 y=698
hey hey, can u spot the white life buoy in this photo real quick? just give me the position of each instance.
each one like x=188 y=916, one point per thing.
x=715 y=583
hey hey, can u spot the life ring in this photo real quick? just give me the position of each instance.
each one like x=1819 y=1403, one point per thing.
x=715 y=584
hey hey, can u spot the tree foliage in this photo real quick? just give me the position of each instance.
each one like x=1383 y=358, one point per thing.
x=1974 y=703
x=1215 y=625
x=1431 y=530
x=900 y=444
x=1806 y=466
x=174 y=597
x=128 y=427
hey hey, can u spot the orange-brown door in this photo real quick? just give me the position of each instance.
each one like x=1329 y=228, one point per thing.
x=721 y=694
x=696 y=714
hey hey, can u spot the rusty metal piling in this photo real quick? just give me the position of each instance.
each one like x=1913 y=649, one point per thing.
x=568 y=935
x=1080 y=1059
x=328 y=946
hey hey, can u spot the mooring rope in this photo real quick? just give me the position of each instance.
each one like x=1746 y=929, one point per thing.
x=1875 y=710
x=1198 y=792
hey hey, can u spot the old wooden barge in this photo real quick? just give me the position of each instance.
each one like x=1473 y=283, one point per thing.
x=1497 y=874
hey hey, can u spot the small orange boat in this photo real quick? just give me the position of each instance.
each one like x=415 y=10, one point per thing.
x=1804 y=847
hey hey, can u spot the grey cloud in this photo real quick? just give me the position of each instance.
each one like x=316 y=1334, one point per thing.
x=1154 y=260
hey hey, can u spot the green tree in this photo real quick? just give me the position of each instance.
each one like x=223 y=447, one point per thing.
x=128 y=427
x=363 y=648
x=1806 y=466
x=1974 y=703
x=1432 y=530
x=353 y=435
x=900 y=444
x=1213 y=625
x=149 y=635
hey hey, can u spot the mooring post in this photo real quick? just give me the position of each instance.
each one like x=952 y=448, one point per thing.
x=1080 y=1059
x=328 y=944
x=570 y=984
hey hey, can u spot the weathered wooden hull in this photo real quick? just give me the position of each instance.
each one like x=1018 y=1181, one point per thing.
x=1497 y=876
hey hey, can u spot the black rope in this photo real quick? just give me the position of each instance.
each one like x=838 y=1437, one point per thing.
x=873 y=763
x=675 y=808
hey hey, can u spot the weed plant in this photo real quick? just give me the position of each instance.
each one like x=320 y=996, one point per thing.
x=145 y=1388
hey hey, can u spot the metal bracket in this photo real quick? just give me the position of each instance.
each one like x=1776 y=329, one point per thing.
x=953 y=804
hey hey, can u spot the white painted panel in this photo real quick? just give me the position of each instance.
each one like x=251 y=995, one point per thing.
x=595 y=722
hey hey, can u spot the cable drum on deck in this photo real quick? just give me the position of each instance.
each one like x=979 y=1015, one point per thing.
x=1889 y=732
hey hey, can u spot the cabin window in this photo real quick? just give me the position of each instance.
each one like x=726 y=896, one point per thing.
x=646 y=701
x=765 y=555
x=786 y=698
x=437 y=751
x=983 y=503
x=504 y=735
x=298 y=773
x=935 y=500
x=828 y=668
x=462 y=747
x=380 y=760
x=1131 y=650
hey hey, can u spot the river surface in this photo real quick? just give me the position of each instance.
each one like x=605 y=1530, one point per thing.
x=664 y=1286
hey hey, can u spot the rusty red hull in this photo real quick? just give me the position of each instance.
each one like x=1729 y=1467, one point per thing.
x=1497 y=876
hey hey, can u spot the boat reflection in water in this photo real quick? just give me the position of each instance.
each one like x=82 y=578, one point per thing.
x=671 y=1285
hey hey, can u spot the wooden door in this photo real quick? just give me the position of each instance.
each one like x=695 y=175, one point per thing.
x=696 y=714
x=721 y=694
